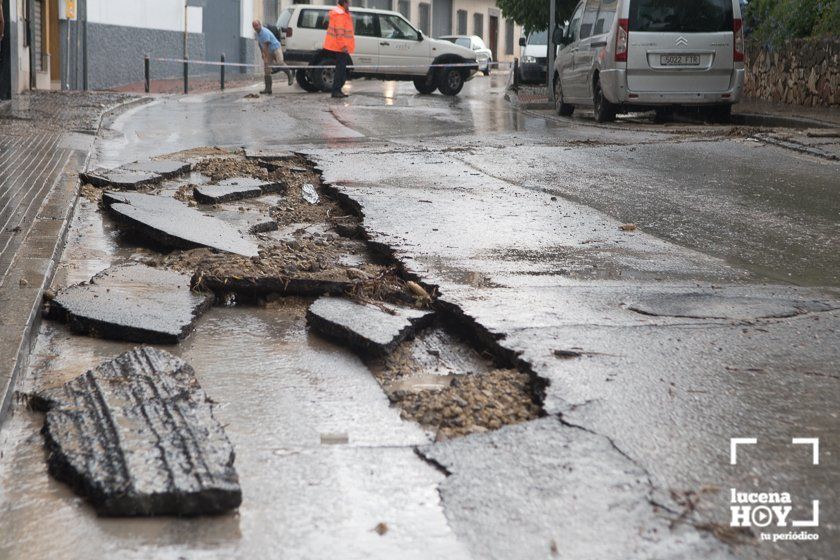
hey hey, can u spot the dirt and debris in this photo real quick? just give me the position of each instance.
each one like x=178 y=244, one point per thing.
x=91 y=193
x=231 y=167
x=305 y=266
x=472 y=403
x=445 y=384
x=186 y=194
x=627 y=227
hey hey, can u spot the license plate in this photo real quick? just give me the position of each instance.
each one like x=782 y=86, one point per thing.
x=680 y=60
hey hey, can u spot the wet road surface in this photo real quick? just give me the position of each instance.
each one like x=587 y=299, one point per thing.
x=515 y=217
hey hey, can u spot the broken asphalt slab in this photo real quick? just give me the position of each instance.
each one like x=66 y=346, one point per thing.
x=135 y=175
x=238 y=188
x=269 y=154
x=120 y=179
x=573 y=493
x=132 y=302
x=367 y=329
x=166 y=168
x=173 y=224
x=136 y=436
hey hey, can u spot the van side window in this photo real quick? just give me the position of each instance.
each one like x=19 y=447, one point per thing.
x=605 y=17
x=590 y=14
x=574 y=26
x=313 y=19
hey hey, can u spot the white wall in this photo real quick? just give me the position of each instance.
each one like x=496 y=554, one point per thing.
x=246 y=13
x=167 y=15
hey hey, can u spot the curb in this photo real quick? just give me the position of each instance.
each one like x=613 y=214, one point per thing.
x=513 y=98
x=36 y=261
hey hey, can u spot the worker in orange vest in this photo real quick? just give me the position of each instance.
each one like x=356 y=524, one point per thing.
x=341 y=42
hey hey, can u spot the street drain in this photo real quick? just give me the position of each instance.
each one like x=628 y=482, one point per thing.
x=441 y=381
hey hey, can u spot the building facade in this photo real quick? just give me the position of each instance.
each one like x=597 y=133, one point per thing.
x=100 y=44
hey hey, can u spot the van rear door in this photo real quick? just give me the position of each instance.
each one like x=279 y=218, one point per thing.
x=683 y=46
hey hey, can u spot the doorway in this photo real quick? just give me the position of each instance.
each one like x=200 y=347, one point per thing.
x=54 y=45
x=493 y=36
x=221 y=30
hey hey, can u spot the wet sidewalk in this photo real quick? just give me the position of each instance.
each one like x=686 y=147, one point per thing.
x=45 y=139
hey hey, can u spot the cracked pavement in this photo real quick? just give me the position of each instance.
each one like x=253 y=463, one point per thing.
x=717 y=317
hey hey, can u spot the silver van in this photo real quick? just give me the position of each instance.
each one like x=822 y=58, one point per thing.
x=632 y=55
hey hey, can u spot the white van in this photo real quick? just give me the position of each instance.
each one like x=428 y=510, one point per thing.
x=533 y=60
x=621 y=55
x=387 y=45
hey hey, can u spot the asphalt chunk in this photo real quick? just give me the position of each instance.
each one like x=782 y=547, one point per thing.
x=238 y=188
x=120 y=179
x=132 y=302
x=366 y=328
x=269 y=155
x=167 y=169
x=136 y=436
x=173 y=224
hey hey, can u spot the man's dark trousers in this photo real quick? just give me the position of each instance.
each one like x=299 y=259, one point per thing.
x=341 y=61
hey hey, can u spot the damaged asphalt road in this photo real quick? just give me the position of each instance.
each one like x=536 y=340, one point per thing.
x=643 y=351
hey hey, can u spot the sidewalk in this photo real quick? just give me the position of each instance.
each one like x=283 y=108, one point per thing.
x=830 y=116
x=536 y=97
x=45 y=139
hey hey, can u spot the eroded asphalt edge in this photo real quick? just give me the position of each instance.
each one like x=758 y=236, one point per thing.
x=661 y=507
x=36 y=261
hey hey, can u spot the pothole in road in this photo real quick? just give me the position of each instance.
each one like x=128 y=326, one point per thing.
x=441 y=381
x=448 y=383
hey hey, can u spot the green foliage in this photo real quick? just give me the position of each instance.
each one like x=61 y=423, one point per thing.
x=533 y=14
x=772 y=22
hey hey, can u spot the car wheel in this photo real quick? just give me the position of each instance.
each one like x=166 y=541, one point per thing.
x=563 y=109
x=604 y=110
x=323 y=77
x=425 y=85
x=304 y=80
x=450 y=81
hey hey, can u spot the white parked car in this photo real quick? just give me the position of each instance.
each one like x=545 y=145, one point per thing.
x=483 y=55
x=387 y=45
x=619 y=55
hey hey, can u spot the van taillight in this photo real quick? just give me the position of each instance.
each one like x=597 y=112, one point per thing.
x=622 y=37
x=289 y=32
x=738 y=28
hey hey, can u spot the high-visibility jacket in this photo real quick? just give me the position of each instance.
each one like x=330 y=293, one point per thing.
x=340 y=31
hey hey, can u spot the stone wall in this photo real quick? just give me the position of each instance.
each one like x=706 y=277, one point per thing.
x=803 y=72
